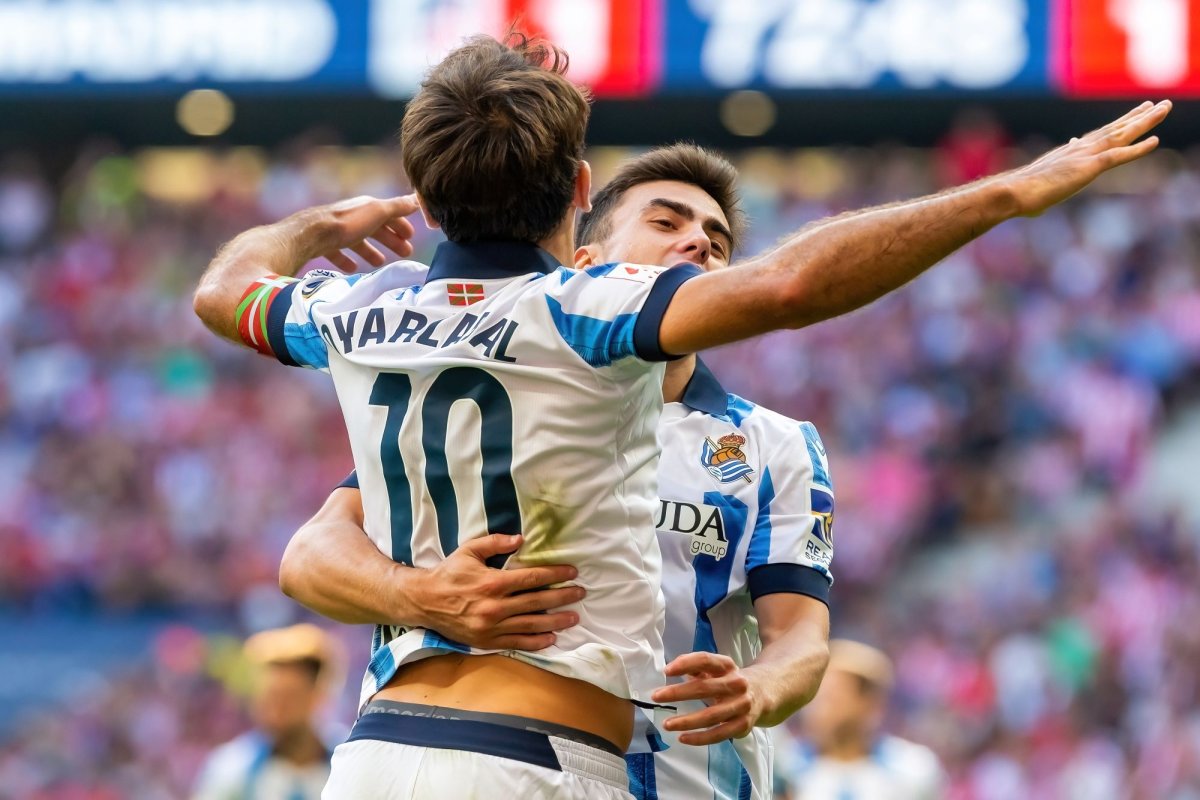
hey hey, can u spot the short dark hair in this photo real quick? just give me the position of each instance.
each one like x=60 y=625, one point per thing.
x=493 y=140
x=685 y=163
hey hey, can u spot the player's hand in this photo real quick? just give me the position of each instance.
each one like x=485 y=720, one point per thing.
x=1064 y=171
x=734 y=707
x=349 y=224
x=466 y=600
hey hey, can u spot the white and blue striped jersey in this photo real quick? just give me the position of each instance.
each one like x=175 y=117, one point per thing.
x=745 y=509
x=896 y=769
x=248 y=769
x=505 y=393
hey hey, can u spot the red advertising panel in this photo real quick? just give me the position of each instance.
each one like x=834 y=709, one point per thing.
x=1135 y=48
x=615 y=45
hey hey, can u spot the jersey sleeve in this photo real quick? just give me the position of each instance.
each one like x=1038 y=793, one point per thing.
x=227 y=770
x=791 y=545
x=612 y=312
x=275 y=315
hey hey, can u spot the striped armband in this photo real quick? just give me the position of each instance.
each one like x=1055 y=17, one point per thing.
x=252 y=311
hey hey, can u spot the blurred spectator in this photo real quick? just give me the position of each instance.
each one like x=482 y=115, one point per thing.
x=843 y=753
x=286 y=756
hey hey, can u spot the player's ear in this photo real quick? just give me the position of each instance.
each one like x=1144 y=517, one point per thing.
x=430 y=222
x=588 y=256
x=583 y=187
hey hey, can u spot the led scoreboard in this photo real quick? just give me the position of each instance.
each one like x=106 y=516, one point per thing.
x=1110 y=48
x=621 y=48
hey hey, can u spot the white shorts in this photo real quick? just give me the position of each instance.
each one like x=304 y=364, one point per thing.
x=398 y=757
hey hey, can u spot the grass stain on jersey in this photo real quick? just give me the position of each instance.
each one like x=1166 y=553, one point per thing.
x=544 y=526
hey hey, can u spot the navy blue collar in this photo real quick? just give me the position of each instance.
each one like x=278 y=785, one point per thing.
x=705 y=393
x=484 y=260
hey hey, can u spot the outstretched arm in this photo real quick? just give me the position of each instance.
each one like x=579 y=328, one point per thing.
x=284 y=247
x=331 y=567
x=843 y=264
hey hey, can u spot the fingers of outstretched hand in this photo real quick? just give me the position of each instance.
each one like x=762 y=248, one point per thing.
x=1134 y=125
x=1146 y=121
x=402 y=206
x=395 y=239
x=341 y=261
x=369 y=253
x=1105 y=132
x=1123 y=155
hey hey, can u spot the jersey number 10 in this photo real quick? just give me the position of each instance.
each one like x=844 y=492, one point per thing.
x=393 y=390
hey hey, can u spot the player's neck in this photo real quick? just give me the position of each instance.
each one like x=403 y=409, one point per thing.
x=561 y=243
x=679 y=374
x=300 y=747
x=850 y=748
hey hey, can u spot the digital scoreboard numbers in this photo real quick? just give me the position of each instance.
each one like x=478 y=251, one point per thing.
x=1117 y=48
x=814 y=45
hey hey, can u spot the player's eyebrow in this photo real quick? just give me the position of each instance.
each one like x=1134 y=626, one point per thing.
x=712 y=224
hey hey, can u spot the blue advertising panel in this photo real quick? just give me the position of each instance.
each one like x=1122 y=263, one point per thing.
x=843 y=45
x=134 y=47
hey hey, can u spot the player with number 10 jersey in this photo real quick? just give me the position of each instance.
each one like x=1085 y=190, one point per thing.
x=479 y=402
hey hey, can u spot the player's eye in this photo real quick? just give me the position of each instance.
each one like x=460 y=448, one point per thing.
x=665 y=224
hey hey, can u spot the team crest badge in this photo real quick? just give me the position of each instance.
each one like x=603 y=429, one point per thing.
x=725 y=460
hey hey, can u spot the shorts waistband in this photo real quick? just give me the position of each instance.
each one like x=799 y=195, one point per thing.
x=425 y=726
x=507 y=720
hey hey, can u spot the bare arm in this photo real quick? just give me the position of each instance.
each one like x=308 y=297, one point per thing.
x=785 y=676
x=331 y=567
x=284 y=247
x=849 y=261
x=788 y=671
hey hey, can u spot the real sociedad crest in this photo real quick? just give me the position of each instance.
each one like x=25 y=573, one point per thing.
x=725 y=460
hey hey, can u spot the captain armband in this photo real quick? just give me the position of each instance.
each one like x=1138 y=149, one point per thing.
x=253 y=308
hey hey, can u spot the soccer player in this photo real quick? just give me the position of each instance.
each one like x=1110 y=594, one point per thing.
x=286 y=756
x=524 y=396
x=845 y=755
x=746 y=540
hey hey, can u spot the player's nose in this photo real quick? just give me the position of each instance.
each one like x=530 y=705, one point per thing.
x=696 y=247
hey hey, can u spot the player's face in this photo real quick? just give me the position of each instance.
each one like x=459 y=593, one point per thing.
x=666 y=223
x=284 y=700
x=841 y=709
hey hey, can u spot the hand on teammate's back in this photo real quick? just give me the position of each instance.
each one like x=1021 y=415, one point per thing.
x=467 y=601
x=349 y=224
x=1065 y=170
x=734 y=707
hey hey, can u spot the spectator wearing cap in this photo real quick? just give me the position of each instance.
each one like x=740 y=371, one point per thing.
x=843 y=753
x=285 y=757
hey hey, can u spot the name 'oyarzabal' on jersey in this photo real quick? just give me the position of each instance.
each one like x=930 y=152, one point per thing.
x=418 y=328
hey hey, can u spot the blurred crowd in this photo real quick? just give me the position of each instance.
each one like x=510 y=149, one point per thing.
x=989 y=430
